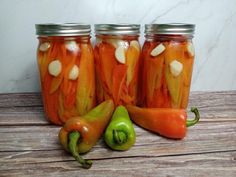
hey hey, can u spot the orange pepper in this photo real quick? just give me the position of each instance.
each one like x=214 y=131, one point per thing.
x=168 y=122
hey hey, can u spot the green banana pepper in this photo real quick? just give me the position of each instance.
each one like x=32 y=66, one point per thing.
x=120 y=134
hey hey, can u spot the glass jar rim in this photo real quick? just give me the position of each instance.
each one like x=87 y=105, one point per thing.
x=63 y=29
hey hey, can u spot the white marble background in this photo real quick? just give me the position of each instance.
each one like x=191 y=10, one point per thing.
x=215 y=39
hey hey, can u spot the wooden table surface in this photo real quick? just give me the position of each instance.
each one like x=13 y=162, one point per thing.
x=29 y=145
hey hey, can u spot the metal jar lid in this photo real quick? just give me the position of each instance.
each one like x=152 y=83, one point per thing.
x=170 y=29
x=66 y=29
x=117 y=29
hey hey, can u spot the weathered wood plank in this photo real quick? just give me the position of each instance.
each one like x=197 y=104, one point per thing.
x=199 y=99
x=205 y=137
x=34 y=99
x=20 y=99
x=26 y=109
x=209 y=165
x=22 y=116
x=214 y=105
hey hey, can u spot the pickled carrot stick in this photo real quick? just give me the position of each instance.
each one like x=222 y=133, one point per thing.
x=126 y=96
x=70 y=98
x=154 y=66
x=65 y=114
x=132 y=57
x=119 y=77
x=187 y=74
x=142 y=83
x=108 y=61
x=161 y=98
x=55 y=102
x=132 y=61
x=61 y=107
x=102 y=90
x=69 y=91
x=165 y=93
x=85 y=94
x=56 y=82
x=187 y=70
x=68 y=87
x=54 y=50
x=99 y=89
x=51 y=100
x=67 y=70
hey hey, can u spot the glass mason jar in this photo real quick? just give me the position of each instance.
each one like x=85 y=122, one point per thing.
x=117 y=54
x=167 y=60
x=66 y=65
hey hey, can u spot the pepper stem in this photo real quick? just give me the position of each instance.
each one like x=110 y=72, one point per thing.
x=73 y=140
x=119 y=137
x=195 y=120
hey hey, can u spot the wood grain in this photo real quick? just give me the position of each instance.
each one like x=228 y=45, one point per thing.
x=210 y=165
x=29 y=144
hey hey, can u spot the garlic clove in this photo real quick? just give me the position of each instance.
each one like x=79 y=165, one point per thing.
x=72 y=46
x=190 y=49
x=117 y=43
x=74 y=72
x=176 y=68
x=54 y=68
x=44 y=46
x=120 y=54
x=158 y=50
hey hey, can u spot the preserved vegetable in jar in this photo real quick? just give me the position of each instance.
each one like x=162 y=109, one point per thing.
x=66 y=66
x=117 y=56
x=167 y=60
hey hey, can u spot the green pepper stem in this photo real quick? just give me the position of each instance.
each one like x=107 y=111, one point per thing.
x=195 y=120
x=119 y=137
x=73 y=140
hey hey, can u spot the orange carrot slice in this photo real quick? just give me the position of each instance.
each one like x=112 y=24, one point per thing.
x=51 y=101
x=85 y=94
x=108 y=61
x=187 y=76
x=70 y=98
x=153 y=69
x=132 y=57
x=132 y=61
x=56 y=81
x=119 y=76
